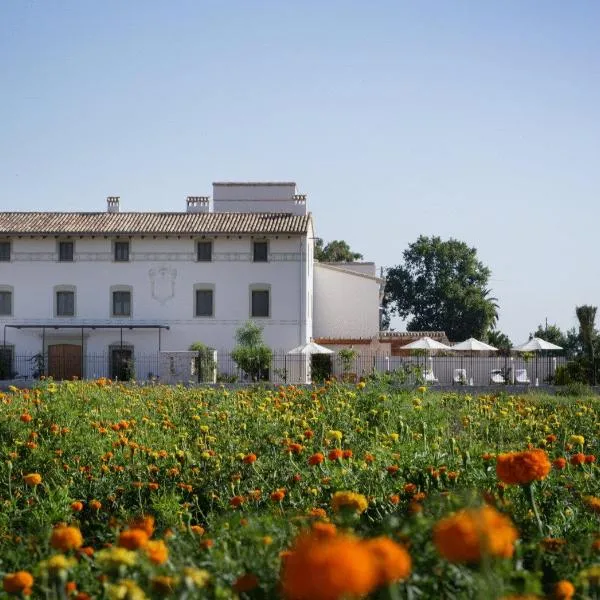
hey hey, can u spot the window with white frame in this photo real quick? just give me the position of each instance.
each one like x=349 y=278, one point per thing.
x=121 y=301
x=204 y=300
x=64 y=301
x=260 y=251
x=260 y=300
x=66 y=251
x=204 y=251
x=121 y=251
x=4 y=251
x=6 y=300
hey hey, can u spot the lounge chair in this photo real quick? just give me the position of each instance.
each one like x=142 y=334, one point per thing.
x=429 y=377
x=521 y=376
x=460 y=376
x=497 y=376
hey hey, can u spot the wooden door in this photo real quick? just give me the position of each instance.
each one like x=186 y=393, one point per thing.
x=64 y=361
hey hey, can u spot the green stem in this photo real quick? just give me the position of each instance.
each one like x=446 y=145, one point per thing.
x=534 y=508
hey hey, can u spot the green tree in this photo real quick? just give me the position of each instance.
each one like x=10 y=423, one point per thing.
x=251 y=354
x=569 y=341
x=442 y=286
x=586 y=315
x=498 y=340
x=336 y=251
x=204 y=362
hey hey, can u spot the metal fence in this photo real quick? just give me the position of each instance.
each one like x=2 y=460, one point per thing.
x=285 y=368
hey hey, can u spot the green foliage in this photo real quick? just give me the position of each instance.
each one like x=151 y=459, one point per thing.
x=575 y=390
x=336 y=251
x=441 y=286
x=251 y=354
x=345 y=357
x=499 y=340
x=320 y=367
x=569 y=341
x=204 y=362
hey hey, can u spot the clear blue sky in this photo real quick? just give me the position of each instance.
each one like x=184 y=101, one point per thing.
x=465 y=119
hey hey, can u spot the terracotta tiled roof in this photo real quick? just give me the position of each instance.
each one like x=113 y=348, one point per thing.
x=150 y=223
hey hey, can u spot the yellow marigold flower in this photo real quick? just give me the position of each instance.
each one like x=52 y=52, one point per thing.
x=523 y=467
x=113 y=558
x=66 y=538
x=32 y=479
x=327 y=569
x=58 y=564
x=197 y=578
x=333 y=434
x=421 y=389
x=564 y=590
x=15 y=583
x=349 y=500
x=577 y=439
x=469 y=535
x=126 y=589
x=157 y=552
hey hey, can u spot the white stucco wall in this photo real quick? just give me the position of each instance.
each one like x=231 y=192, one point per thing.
x=34 y=271
x=346 y=304
x=273 y=197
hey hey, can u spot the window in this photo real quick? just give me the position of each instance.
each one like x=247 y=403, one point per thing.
x=204 y=303
x=204 y=251
x=261 y=251
x=65 y=251
x=260 y=303
x=121 y=251
x=65 y=304
x=4 y=251
x=121 y=304
x=5 y=303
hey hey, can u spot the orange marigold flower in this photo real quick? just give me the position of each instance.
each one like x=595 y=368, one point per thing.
x=470 y=534
x=77 y=506
x=551 y=438
x=559 y=463
x=278 y=495
x=347 y=454
x=295 y=448
x=577 y=459
x=145 y=523
x=316 y=459
x=132 y=539
x=592 y=503
x=237 y=501
x=335 y=454
x=95 y=504
x=339 y=567
x=393 y=562
x=394 y=499
x=245 y=583
x=317 y=513
x=553 y=544
x=308 y=434
x=249 y=458
x=564 y=590
x=590 y=459
x=66 y=538
x=26 y=418
x=523 y=467
x=32 y=479
x=197 y=529
x=349 y=500
x=369 y=458
x=596 y=545
x=87 y=550
x=15 y=583
x=157 y=552
x=410 y=488
x=393 y=469
x=324 y=530
x=207 y=543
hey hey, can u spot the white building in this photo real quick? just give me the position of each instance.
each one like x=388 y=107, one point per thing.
x=91 y=290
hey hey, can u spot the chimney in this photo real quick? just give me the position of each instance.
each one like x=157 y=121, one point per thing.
x=112 y=204
x=197 y=204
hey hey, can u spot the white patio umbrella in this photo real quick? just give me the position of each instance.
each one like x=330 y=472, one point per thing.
x=473 y=345
x=310 y=348
x=536 y=344
x=426 y=343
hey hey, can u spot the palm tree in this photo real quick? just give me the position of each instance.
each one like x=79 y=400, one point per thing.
x=586 y=315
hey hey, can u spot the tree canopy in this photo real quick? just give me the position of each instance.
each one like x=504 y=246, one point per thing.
x=335 y=251
x=442 y=286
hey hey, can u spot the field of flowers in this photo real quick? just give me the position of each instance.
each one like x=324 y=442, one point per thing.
x=129 y=492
